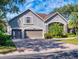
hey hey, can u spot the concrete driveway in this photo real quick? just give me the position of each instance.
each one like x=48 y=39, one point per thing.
x=42 y=43
x=50 y=49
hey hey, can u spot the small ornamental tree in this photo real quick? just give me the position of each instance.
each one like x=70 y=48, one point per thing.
x=56 y=29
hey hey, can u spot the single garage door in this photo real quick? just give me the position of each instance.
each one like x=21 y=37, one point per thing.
x=33 y=34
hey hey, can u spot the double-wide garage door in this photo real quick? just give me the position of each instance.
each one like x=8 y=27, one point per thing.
x=33 y=34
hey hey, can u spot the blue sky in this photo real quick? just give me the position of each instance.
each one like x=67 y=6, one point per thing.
x=43 y=6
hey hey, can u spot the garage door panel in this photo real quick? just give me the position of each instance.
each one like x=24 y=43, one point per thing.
x=34 y=34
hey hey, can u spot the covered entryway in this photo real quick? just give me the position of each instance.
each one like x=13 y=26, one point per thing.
x=16 y=33
x=33 y=34
x=57 y=18
x=56 y=29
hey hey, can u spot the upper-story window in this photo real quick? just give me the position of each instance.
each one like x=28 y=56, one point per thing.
x=28 y=20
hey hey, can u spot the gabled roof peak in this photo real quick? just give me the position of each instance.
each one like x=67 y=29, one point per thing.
x=42 y=16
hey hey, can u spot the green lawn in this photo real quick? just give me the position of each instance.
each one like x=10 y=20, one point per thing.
x=71 y=41
x=5 y=49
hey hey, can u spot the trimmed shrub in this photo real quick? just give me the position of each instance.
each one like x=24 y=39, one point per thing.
x=57 y=36
x=65 y=35
x=71 y=35
x=48 y=35
x=5 y=40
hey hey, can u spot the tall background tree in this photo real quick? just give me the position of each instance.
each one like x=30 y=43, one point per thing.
x=8 y=6
x=67 y=9
x=73 y=22
x=70 y=12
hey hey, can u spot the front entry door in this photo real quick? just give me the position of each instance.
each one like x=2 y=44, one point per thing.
x=16 y=33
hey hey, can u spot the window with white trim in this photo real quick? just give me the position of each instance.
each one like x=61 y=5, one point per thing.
x=28 y=20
